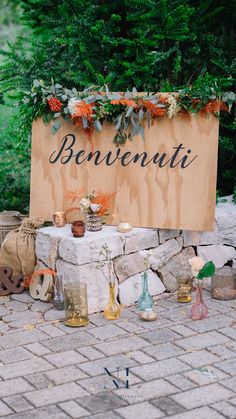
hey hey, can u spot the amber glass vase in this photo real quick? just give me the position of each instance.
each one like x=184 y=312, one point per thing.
x=199 y=309
x=112 y=310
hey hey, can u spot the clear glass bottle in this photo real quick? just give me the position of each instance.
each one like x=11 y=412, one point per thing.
x=58 y=296
x=112 y=310
x=145 y=300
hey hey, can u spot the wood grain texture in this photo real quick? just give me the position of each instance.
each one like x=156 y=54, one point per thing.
x=150 y=196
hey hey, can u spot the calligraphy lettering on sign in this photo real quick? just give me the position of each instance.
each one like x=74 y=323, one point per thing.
x=178 y=156
x=10 y=284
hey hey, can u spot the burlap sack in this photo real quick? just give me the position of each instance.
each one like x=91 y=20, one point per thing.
x=18 y=248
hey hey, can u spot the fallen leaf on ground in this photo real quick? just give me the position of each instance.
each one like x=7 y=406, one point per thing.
x=128 y=354
x=29 y=326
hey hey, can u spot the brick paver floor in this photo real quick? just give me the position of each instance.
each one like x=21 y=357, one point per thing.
x=173 y=367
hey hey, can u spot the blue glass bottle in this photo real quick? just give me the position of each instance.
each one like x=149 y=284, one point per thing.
x=145 y=300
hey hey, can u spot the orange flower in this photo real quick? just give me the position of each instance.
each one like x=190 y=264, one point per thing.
x=103 y=199
x=54 y=104
x=74 y=195
x=223 y=106
x=163 y=98
x=152 y=108
x=214 y=106
x=83 y=109
x=124 y=102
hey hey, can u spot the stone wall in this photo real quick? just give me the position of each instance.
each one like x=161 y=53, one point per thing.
x=163 y=253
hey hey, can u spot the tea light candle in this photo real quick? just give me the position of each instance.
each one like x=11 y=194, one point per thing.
x=124 y=227
x=148 y=315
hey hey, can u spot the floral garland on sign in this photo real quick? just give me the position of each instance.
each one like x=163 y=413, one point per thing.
x=128 y=112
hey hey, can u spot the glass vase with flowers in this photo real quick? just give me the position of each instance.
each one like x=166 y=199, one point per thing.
x=200 y=270
x=95 y=208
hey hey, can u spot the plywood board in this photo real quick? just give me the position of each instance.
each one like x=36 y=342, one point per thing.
x=166 y=181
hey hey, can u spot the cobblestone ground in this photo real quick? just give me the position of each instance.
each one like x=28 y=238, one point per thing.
x=174 y=367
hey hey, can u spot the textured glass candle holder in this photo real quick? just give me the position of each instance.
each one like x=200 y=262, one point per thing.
x=93 y=222
x=76 y=304
x=184 y=286
x=223 y=284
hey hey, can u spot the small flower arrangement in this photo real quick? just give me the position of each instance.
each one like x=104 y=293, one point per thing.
x=200 y=269
x=95 y=203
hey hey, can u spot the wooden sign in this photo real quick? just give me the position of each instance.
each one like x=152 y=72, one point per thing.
x=167 y=181
x=41 y=287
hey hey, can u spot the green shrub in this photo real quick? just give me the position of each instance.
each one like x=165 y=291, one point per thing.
x=14 y=170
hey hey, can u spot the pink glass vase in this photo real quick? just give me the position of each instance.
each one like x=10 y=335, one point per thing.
x=199 y=309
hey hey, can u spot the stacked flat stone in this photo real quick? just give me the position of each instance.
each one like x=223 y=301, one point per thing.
x=169 y=251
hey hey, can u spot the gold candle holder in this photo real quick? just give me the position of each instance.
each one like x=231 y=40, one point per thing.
x=59 y=219
x=184 y=286
x=76 y=304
